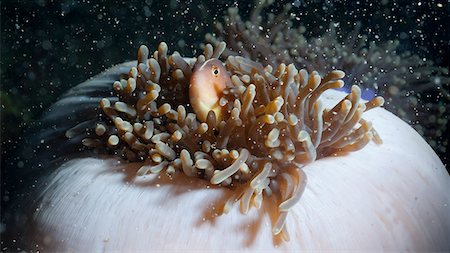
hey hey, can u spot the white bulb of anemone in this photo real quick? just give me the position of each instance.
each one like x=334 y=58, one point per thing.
x=389 y=197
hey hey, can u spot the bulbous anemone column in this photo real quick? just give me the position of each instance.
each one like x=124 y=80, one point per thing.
x=383 y=197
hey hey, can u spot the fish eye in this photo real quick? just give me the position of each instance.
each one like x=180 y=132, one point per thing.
x=215 y=71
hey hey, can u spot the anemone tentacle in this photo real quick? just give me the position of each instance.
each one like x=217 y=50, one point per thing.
x=273 y=126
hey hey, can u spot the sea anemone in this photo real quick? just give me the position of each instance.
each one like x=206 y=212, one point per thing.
x=250 y=128
x=197 y=135
x=414 y=89
x=381 y=197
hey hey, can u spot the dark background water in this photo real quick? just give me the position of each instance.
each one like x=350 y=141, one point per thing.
x=49 y=46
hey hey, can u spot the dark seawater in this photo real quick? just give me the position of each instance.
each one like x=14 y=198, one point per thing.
x=49 y=46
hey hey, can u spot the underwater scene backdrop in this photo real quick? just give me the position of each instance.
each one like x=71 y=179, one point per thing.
x=396 y=49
